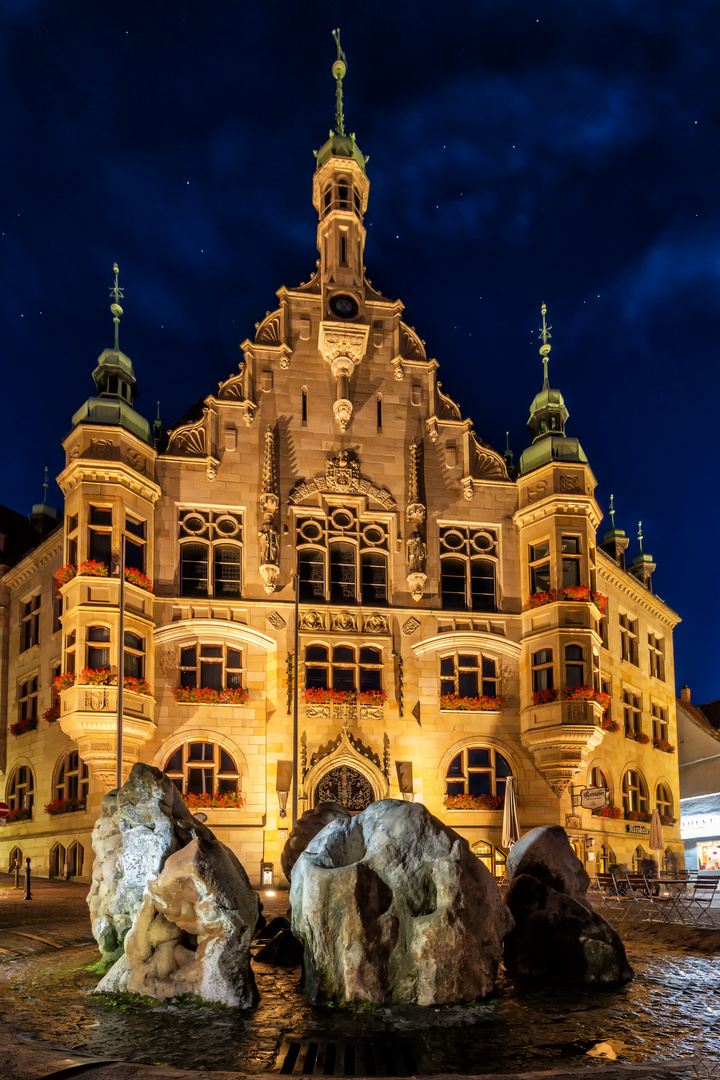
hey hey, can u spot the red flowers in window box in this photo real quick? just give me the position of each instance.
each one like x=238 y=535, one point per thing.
x=663 y=744
x=138 y=686
x=136 y=577
x=96 y=676
x=486 y=703
x=29 y=723
x=205 y=696
x=23 y=814
x=64 y=574
x=586 y=693
x=474 y=802
x=572 y=592
x=609 y=725
x=667 y=819
x=638 y=736
x=638 y=815
x=63 y=682
x=65 y=806
x=371 y=697
x=230 y=800
x=53 y=713
x=614 y=812
x=93 y=568
x=316 y=695
x=542 y=697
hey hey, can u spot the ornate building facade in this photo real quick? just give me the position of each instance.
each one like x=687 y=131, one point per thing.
x=330 y=577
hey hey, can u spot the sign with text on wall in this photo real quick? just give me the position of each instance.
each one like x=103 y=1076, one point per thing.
x=592 y=798
x=699 y=825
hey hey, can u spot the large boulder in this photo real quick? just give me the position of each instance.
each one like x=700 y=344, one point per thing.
x=557 y=939
x=139 y=826
x=546 y=854
x=306 y=827
x=192 y=933
x=394 y=908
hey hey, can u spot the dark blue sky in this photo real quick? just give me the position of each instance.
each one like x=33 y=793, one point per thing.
x=519 y=152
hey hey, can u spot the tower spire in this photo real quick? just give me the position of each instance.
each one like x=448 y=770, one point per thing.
x=545 y=348
x=640 y=536
x=339 y=70
x=612 y=511
x=118 y=294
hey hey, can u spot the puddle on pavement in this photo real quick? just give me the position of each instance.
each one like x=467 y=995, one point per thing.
x=671 y=1010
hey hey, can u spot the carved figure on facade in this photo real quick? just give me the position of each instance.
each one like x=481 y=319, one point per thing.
x=416 y=508
x=343 y=621
x=342 y=474
x=269 y=503
x=376 y=624
x=269 y=543
x=312 y=620
x=416 y=553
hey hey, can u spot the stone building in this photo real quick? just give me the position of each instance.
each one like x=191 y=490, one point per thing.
x=457 y=621
x=698 y=758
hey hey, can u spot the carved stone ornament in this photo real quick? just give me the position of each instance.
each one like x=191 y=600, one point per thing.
x=537 y=490
x=96 y=700
x=276 y=620
x=343 y=621
x=416 y=553
x=338 y=342
x=416 y=583
x=211 y=469
x=312 y=620
x=376 y=624
x=343 y=473
x=468 y=488
x=269 y=573
x=137 y=461
x=410 y=626
x=342 y=410
x=189 y=439
x=101 y=448
x=569 y=483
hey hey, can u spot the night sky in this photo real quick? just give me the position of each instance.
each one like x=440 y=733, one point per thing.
x=563 y=151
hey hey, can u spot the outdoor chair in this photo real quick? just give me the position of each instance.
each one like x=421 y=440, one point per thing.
x=697 y=900
x=642 y=892
x=612 y=899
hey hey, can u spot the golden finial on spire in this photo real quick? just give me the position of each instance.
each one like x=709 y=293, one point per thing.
x=640 y=535
x=612 y=511
x=545 y=335
x=339 y=69
x=118 y=294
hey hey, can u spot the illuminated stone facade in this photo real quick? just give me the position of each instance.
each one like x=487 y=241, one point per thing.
x=425 y=668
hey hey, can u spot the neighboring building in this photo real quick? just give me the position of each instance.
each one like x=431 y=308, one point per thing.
x=458 y=621
x=699 y=761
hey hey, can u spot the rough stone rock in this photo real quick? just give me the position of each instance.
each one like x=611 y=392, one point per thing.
x=393 y=908
x=545 y=853
x=306 y=827
x=139 y=826
x=192 y=933
x=558 y=939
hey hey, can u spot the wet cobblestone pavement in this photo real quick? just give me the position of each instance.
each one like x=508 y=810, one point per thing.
x=671 y=1010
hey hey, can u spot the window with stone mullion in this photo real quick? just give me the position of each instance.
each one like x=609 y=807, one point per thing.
x=343 y=573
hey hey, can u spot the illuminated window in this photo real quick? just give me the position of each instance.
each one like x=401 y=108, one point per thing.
x=468 y=675
x=342 y=558
x=211 y=667
x=477 y=770
x=210 y=553
x=203 y=768
x=491 y=856
x=632 y=713
x=348 y=670
x=468 y=558
x=664 y=800
x=606 y=859
x=71 y=777
x=634 y=791
x=20 y=789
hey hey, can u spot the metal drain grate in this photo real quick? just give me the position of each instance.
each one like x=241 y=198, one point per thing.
x=311 y=1056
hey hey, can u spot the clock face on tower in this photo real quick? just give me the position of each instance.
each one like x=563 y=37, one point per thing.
x=343 y=306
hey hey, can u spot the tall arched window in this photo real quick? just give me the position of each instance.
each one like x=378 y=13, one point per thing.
x=98 y=649
x=634 y=791
x=20 y=789
x=71 y=779
x=373 y=578
x=599 y=778
x=491 y=856
x=203 y=768
x=477 y=770
x=664 y=800
x=574 y=666
x=606 y=859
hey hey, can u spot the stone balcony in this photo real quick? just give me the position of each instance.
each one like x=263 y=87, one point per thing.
x=560 y=735
x=88 y=715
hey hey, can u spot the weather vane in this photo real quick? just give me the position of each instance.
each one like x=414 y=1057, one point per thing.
x=339 y=69
x=545 y=335
x=640 y=535
x=46 y=485
x=612 y=511
x=118 y=294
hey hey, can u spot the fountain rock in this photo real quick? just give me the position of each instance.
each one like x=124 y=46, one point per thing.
x=306 y=827
x=558 y=939
x=545 y=853
x=394 y=908
x=192 y=933
x=139 y=826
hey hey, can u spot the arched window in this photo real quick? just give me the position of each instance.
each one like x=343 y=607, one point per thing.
x=226 y=570
x=311 y=575
x=664 y=800
x=599 y=778
x=98 y=648
x=327 y=197
x=574 y=666
x=373 y=578
x=71 y=777
x=203 y=768
x=20 y=789
x=670 y=862
x=343 y=573
x=57 y=861
x=637 y=859
x=477 y=770
x=348 y=670
x=606 y=859
x=194 y=569
x=74 y=860
x=491 y=856
x=357 y=201
x=634 y=791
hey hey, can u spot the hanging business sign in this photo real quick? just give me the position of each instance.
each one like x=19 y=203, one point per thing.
x=592 y=798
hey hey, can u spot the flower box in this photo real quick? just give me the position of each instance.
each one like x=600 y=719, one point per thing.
x=104 y=677
x=664 y=745
x=638 y=736
x=371 y=697
x=542 y=697
x=53 y=713
x=637 y=815
x=667 y=819
x=486 y=703
x=29 y=723
x=613 y=812
x=231 y=800
x=474 y=802
x=23 y=814
x=185 y=695
x=573 y=593
x=93 y=568
x=586 y=693
x=64 y=574
x=314 y=695
x=63 y=682
x=136 y=577
x=65 y=806
x=609 y=725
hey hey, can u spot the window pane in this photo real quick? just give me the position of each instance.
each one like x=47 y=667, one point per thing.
x=571 y=573
x=573 y=652
x=373 y=571
x=200 y=751
x=370 y=656
x=100 y=515
x=226 y=762
x=539 y=551
x=455 y=788
x=343 y=655
x=574 y=674
x=214 y=651
x=479 y=783
x=137 y=528
x=452 y=584
x=342 y=573
x=226 y=562
x=501 y=766
x=234 y=658
x=317 y=678
x=447 y=665
x=211 y=676
x=134 y=555
x=482 y=585
x=311 y=574
x=343 y=678
x=233 y=680
x=98 y=658
x=200 y=781
x=447 y=687
x=571 y=545
x=174 y=762
x=133 y=641
x=194 y=570
x=188 y=678
x=99 y=633
x=467 y=684
x=488 y=668
x=478 y=755
x=226 y=785
x=541 y=578
x=100 y=546
x=543 y=657
x=467 y=661
x=188 y=657
x=316 y=652
x=133 y=666
x=370 y=679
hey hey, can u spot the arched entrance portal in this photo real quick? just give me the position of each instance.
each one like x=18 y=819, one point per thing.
x=346 y=786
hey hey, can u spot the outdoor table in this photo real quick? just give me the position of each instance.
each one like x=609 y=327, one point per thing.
x=669 y=898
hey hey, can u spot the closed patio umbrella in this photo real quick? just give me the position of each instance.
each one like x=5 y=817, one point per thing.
x=656 y=836
x=511 y=825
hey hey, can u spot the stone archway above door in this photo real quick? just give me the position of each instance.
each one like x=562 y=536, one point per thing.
x=363 y=781
x=344 y=785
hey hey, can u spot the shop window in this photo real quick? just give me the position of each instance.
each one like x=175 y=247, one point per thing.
x=664 y=800
x=661 y=728
x=349 y=669
x=490 y=856
x=468 y=675
x=574 y=666
x=539 y=560
x=20 y=789
x=203 y=768
x=634 y=791
x=570 y=561
x=100 y=534
x=30 y=623
x=28 y=699
x=632 y=713
x=211 y=667
x=477 y=770
x=71 y=777
x=542 y=670
x=629 y=639
x=98 y=647
x=606 y=859
x=656 y=654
